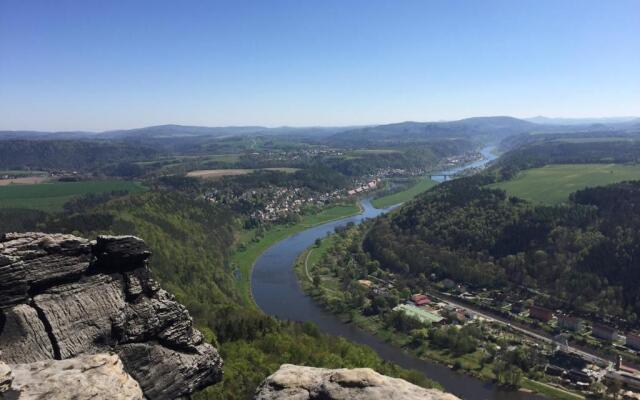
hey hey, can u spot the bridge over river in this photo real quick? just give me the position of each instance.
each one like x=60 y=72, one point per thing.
x=277 y=292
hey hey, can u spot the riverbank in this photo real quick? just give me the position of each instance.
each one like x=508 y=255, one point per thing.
x=276 y=290
x=422 y=185
x=328 y=292
x=249 y=248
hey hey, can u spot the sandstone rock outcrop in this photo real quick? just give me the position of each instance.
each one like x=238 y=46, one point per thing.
x=292 y=382
x=62 y=296
x=94 y=376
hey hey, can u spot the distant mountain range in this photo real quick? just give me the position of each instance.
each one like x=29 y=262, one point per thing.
x=480 y=128
x=581 y=121
x=477 y=128
x=176 y=132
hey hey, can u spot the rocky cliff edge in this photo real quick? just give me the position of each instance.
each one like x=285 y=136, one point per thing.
x=292 y=382
x=63 y=297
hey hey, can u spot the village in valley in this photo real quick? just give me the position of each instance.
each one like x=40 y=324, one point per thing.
x=275 y=203
x=576 y=352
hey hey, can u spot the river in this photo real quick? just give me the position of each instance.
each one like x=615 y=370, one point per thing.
x=277 y=292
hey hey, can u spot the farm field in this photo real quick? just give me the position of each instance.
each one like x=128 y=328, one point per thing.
x=423 y=185
x=22 y=177
x=362 y=153
x=216 y=173
x=52 y=196
x=181 y=164
x=226 y=158
x=26 y=180
x=23 y=173
x=552 y=184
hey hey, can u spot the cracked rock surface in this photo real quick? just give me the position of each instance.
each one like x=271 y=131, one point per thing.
x=292 y=382
x=63 y=296
x=93 y=376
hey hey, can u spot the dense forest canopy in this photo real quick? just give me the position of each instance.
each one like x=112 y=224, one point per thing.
x=538 y=154
x=191 y=243
x=584 y=255
x=70 y=154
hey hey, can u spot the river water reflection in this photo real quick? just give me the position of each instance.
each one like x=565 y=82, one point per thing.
x=276 y=290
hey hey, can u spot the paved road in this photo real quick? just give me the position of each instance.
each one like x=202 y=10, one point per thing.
x=526 y=331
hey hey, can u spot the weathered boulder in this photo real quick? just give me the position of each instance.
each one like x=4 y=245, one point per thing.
x=6 y=378
x=94 y=376
x=292 y=382
x=62 y=296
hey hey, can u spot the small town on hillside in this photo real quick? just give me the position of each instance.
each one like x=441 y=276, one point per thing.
x=279 y=203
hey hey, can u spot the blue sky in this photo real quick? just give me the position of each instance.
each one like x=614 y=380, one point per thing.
x=96 y=65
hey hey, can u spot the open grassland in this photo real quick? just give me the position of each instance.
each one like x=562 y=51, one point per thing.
x=552 y=184
x=553 y=392
x=217 y=173
x=23 y=177
x=249 y=250
x=422 y=185
x=224 y=158
x=52 y=196
x=362 y=153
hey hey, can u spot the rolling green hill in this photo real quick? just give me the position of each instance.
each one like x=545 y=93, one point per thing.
x=552 y=184
x=52 y=196
x=422 y=185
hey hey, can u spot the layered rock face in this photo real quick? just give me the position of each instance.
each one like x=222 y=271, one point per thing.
x=62 y=296
x=293 y=382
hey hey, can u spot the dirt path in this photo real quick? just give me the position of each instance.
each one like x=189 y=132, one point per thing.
x=306 y=265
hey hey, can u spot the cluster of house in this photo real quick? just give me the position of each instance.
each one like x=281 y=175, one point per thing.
x=365 y=187
x=576 y=324
x=288 y=201
x=626 y=376
x=577 y=373
x=572 y=370
x=294 y=155
x=377 y=286
x=584 y=375
x=23 y=174
x=461 y=159
x=274 y=202
x=423 y=308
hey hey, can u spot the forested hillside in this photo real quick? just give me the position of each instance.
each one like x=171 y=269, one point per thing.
x=479 y=128
x=191 y=243
x=590 y=150
x=69 y=154
x=583 y=255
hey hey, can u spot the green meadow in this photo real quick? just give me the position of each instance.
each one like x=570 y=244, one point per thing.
x=552 y=184
x=52 y=196
x=245 y=257
x=422 y=185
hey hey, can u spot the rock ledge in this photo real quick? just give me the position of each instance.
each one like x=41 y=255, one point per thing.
x=62 y=296
x=292 y=382
x=96 y=376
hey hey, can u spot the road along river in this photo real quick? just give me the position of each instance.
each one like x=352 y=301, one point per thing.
x=276 y=290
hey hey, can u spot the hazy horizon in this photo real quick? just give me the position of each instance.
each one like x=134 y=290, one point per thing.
x=96 y=66
x=614 y=118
